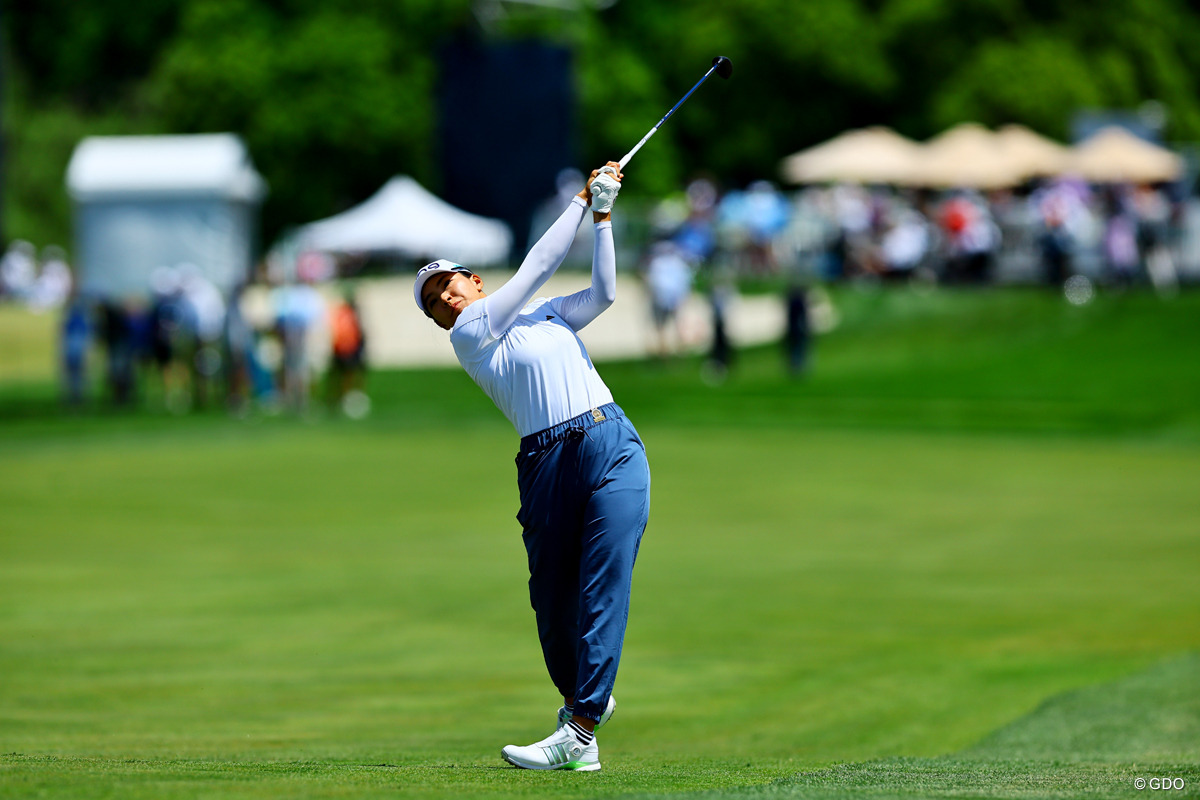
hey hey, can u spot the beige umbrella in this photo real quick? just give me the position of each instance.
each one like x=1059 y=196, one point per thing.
x=867 y=155
x=1031 y=155
x=1114 y=155
x=966 y=156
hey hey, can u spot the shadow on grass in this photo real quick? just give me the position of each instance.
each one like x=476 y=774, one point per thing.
x=1100 y=741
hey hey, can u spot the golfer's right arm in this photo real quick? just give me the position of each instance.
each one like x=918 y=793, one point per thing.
x=579 y=309
x=543 y=259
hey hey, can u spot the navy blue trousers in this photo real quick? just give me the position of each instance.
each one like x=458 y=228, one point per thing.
x=585 y=500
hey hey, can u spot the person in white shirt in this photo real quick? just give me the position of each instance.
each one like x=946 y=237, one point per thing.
x=582 y=470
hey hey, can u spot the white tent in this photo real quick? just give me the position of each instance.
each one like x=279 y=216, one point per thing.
x=404 y=218
x=144 y=202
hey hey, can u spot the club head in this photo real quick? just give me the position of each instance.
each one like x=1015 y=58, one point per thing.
x=724 y=66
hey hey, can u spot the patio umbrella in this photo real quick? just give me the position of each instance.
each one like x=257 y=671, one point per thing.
x=1031 y=155
x=876 y=155
x=1114 y=155
x=966 y=156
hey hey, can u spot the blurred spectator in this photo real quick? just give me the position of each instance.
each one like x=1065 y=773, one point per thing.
x=298 y=307
x=851 y=211
x=810 y=232
x=669 y=282
x=239 y=352
x=722 y=294
x=800 y=251
x=971 y=237
x=695 y=237
x=1062 y=216
x=905 y=243
x=265 y=366
x=117 y=330
x=1121 y=257
x=18 y=270
x=1055 y=245
x=348 y=363
x=53 y=283
x=204 y=326
x=164 y=334
x=796 y=334
x=76 y=338
x=750 y=221
x=1154 y=219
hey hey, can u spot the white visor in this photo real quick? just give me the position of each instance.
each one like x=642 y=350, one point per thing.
x=428 y=271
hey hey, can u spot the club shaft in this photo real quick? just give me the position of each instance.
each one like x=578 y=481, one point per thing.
x=654 y=130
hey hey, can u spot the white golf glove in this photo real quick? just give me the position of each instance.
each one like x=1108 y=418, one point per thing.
x=604 y=190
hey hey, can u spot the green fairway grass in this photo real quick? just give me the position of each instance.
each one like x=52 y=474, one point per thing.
x=959 y=558
x=27 y=343
x=1111 y=740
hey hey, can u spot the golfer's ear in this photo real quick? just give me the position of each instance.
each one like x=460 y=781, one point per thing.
x=478 y=280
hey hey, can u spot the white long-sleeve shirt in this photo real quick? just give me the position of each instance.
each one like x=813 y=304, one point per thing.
x=525 y=354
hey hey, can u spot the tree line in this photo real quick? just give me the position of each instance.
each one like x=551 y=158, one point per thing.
x=333 y=99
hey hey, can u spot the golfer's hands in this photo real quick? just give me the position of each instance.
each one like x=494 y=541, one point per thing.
x=603 y=187
x=612 y=166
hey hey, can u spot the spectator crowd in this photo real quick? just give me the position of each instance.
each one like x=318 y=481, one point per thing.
x=1043 y=233
x=1057 y=233
x=186 y=345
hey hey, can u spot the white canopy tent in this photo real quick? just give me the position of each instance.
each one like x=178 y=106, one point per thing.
x=406 y=219
x=144 y=202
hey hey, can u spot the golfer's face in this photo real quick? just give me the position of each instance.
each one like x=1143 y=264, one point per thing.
x=446 y=294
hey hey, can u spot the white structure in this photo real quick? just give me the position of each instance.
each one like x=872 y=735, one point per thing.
x=404 y=218
x=143 y=202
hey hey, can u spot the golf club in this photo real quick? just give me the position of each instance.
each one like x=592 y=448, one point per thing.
x=721 y=65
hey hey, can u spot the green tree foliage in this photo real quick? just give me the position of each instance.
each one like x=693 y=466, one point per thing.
x=1032 y=80
x=333 y=99
x=1039 y=61
x=330 y=102
x=801 y=71
x=88 y=53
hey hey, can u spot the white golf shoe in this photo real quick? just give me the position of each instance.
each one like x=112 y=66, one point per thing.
x=564 y=717
x=559 y=750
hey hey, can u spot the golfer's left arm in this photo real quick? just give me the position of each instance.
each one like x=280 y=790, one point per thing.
x=540 y=263
x=578 y=309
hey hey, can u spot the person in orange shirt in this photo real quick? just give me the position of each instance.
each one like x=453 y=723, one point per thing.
x=348 y=364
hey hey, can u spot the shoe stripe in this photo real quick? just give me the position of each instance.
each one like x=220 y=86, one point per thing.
x=555 y=754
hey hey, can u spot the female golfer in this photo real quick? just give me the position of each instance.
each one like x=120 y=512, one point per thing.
x=582 y=471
